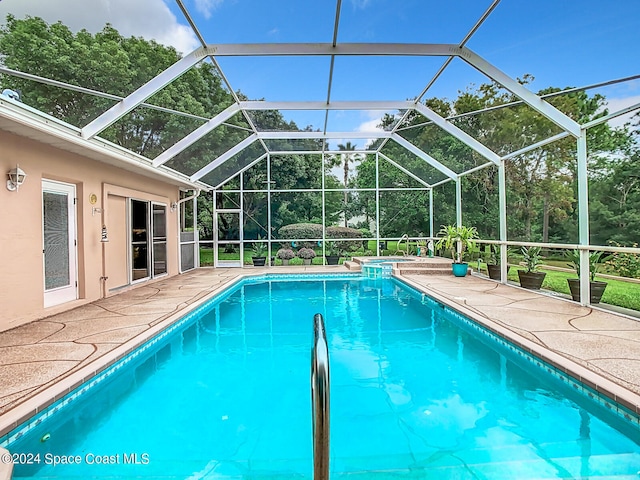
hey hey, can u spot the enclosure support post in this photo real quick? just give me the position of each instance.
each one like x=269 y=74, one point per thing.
x=459 y=201
x=431 y=212
x=377 y=204
x=324 y=212
x=502 y=202
x=583 y=219
x=269 y=232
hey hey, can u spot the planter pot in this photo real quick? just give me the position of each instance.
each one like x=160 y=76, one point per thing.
x=285 y=262
x=460 y=269
x=259 y=261
x=597 y=289
x=332 y=259
x=494 y=272
x=306 y=261
x=531 y=280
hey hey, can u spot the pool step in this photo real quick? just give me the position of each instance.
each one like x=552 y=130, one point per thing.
x=352 y=266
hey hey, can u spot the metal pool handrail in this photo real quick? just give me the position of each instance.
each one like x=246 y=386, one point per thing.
x=320 y=399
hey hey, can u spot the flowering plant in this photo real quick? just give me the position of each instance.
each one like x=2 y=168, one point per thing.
x=306 y=253
x=285 y=254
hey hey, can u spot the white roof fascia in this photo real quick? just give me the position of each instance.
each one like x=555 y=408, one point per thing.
x=424 y=156
x=224 y=157
x=196 y=135
x=154 y=85
x=327 y=49
x=37 y=120
x=531 y=99
x=459 y=134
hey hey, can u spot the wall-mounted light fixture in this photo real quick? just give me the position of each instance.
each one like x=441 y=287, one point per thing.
x=174 y=206
x=104 y=238
x=16 y=178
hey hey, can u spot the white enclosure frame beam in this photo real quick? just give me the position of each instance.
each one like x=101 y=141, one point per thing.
x=531 y=99
x=225 y=156
x=327 y=49
x=136 y=98
x=404 y=170
x=424 y=156
x=459 y=134
x=297 y=135
x=315 y=105
x=196 y=135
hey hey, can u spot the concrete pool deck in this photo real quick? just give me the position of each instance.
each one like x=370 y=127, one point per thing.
x=43 y=360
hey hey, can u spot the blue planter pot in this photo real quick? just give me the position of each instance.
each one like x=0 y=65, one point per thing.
x=460 y=269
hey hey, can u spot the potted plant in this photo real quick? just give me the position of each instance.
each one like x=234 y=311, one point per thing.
x=457 y=240
x=306 y=254
x=259 y=250
x=285 y=254
x=531 y=278
x=332 y=253
x=493 y=263
x=596 y=288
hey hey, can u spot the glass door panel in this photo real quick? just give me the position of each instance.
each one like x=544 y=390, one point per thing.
x=159 y=239
x=139 y=240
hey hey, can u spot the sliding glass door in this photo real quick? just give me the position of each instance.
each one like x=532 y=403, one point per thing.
x=148 y=239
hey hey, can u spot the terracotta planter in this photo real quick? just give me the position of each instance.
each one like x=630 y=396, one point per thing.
x=494 y=272
x=460 y=269
x=597 y=290
x=531 y=280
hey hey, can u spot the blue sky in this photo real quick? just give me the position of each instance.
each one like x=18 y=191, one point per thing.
x=561 y=42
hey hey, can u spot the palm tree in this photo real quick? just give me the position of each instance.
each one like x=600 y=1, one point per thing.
x=345 y=159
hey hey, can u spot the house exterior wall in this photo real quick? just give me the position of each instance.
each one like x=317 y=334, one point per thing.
x=21 y=230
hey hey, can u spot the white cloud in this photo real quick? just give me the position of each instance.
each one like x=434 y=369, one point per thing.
x=371 y=126
x=360 y=4
x=206 y=7
x=150 y=19
x=616 y=104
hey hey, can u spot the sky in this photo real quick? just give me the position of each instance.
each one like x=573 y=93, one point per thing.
x=561 y=43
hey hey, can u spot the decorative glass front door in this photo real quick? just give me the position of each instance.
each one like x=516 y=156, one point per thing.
x=59 y=242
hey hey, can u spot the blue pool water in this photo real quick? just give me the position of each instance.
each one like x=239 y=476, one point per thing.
x=416 y=392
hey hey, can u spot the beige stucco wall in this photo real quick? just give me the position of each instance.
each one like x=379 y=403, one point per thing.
x=21 y=259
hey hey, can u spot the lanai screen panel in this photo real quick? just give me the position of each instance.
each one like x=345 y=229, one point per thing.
x=234 y=164
x=444 y=147
x=211 y=146
x=412 y=163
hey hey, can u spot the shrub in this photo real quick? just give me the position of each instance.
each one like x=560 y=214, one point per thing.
x=625 y=264
x=306 y=253
x=345 y=232
x=301 y=231
x=285 y=254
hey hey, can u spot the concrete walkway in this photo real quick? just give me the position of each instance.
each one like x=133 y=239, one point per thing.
x=43 y=360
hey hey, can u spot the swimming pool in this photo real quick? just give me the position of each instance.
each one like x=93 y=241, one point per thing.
x=415 y=392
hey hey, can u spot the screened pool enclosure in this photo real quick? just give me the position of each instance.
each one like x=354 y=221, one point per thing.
x=417 y=166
